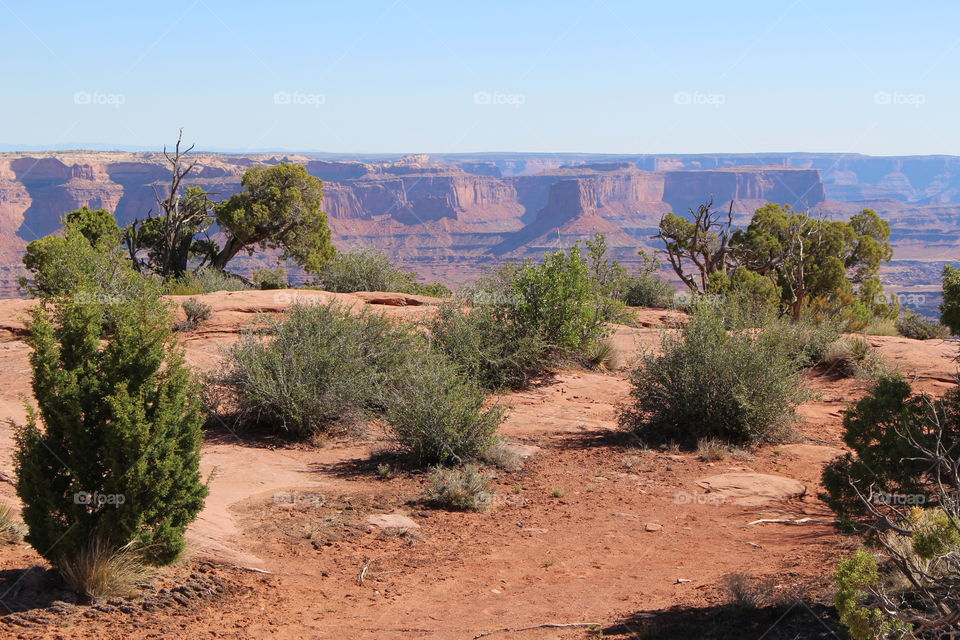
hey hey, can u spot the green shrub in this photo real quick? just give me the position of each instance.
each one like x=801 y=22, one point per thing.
x=270 y=278
x=489 y=346
x=808 y=341
x=950 y=307
x=856 y=575
x=196 y=311
x=459 y=489
x=112 y=450
x=86 y=260
x=371 y=270
x=321 y=366
x=557 y=299
x=739 y=386
x=884 y=430
x=204 y=281
x=437 y=413
x=919 y=328
x=648 y=290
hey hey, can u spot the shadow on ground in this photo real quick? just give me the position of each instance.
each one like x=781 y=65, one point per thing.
x=797 y=621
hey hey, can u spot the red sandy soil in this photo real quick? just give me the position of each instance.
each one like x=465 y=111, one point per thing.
x=592 y=529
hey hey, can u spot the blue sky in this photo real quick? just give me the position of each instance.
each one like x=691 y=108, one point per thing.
x=450 y=76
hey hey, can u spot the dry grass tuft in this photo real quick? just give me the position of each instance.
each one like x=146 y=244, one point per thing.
x=100 y=571
x=11 y=529
x=463 y=489
x=502 y=456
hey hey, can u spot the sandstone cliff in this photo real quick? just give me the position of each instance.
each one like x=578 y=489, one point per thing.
x=439 y=213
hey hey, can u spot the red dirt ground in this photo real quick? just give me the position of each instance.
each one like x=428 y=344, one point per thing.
x=592 y=529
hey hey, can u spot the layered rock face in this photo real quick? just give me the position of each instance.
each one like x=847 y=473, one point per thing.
x=445 y=215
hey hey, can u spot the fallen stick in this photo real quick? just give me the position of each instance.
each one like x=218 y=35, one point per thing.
x=546 y=625
x=787 y=521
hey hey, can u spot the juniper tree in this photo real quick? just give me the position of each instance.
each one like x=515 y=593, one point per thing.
x=111 y=452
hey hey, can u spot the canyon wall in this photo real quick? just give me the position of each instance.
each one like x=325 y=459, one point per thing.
x=446 y=214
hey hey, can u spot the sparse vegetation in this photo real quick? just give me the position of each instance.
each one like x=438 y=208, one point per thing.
x=459 y=489
x=854 y=356
x=196 y=311
x=500 y=455
x=371 y=270
x=198 y=282
x=919 y=328
x=275 y=278
x=319 y=368
x=739 y=386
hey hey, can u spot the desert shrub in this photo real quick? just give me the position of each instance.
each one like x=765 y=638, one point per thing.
x=526 y=318
x=500 y=454
x=100 y=571
x=909 y=590
x=919 y=328
x=437 y=413
x=854 y=356
x=601 y=354
x=434 y=289
x=86 y=259
x=887 y=430
x=950 y=307
x=371 y=270
x=196 y=311
x=738 y=386
x=557 y=299
x=319 y=367
x=458 y=489
x=112 y=449
x=195 y=283
x=648 y=290
x=488 y=344
x=275 y=278
x=807 y=340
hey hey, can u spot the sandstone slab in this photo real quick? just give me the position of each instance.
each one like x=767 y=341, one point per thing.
x=752 y=489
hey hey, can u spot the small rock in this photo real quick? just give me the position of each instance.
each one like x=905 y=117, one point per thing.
x=683 y=580
x=652 y=526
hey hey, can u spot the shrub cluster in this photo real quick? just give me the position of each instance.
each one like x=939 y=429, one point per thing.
x=523 y=319
x=322 y=368
x=371 y=270
x=738 y=385
x=917 y=327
